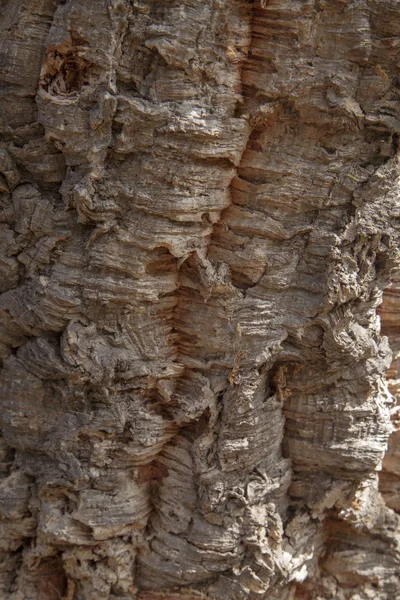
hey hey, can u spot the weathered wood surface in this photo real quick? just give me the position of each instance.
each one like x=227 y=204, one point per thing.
x=199 y=213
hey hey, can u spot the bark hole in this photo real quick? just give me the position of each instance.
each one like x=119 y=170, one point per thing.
x=65 y=72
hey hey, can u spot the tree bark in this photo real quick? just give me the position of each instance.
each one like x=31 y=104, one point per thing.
x=199 y=214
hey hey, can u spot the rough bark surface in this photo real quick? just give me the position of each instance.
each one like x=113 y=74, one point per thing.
x=199 y=213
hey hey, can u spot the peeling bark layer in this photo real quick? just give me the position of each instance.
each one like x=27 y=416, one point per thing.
x=199 y=213
x=390 y=476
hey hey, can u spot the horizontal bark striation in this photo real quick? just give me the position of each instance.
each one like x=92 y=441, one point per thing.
x=199 y=215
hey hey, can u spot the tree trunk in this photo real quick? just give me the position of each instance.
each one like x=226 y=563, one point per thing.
x=199 y=213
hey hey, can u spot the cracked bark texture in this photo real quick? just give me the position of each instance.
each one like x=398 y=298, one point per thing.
x=199 y=214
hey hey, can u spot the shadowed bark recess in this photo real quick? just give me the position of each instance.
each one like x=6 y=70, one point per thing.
x=200 y=211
